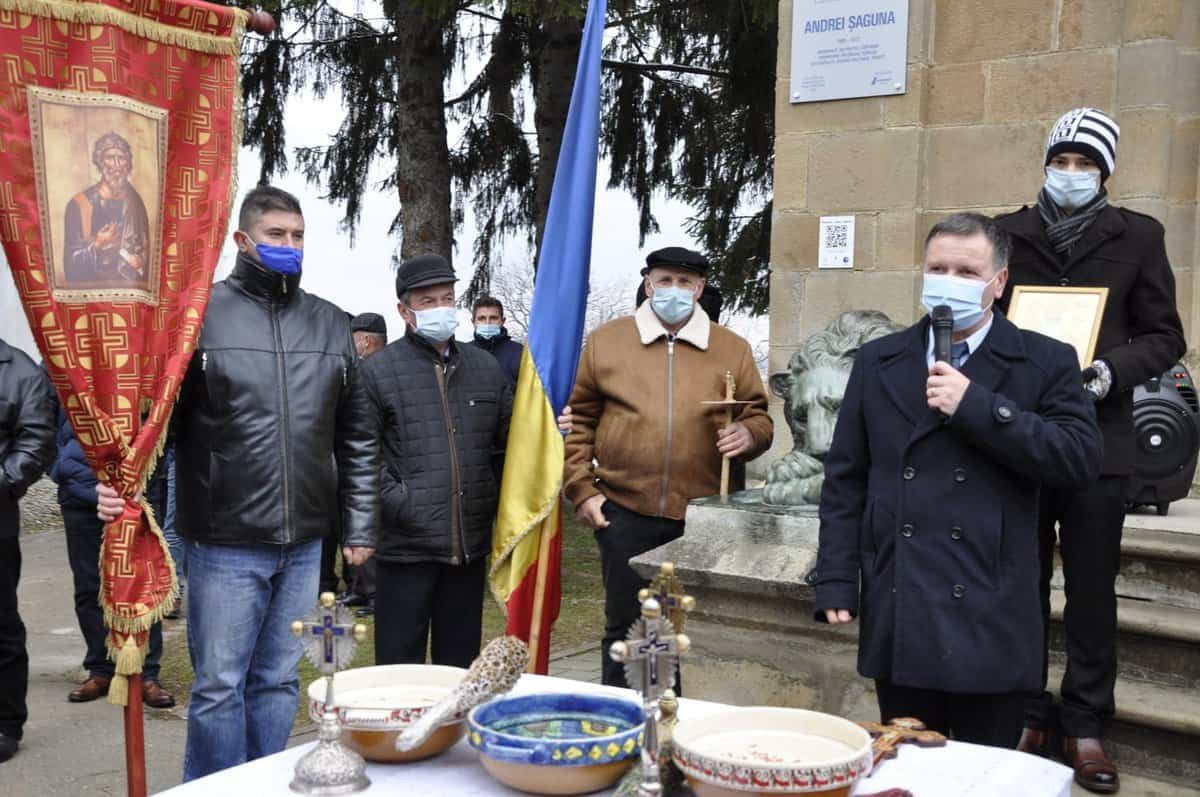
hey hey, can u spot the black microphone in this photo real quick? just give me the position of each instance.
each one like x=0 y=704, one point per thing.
x=942 y=318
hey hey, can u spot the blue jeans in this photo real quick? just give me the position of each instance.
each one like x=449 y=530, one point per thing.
x=175 y=543
x=242 y=601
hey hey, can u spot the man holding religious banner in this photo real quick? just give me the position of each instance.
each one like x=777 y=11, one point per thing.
x=271 y=402
x=644 y=442
x=162 y=123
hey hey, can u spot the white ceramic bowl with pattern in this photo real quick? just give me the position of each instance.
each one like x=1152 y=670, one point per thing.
x=771 y=751
x=377 y=704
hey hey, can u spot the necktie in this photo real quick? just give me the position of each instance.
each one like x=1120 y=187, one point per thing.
x=958 y=353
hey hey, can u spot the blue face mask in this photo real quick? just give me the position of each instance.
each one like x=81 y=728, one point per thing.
x=437 y=324
x=673 y=305
x=280 y=259
x=964 y=297
x=487 y=331
x=1071 y=190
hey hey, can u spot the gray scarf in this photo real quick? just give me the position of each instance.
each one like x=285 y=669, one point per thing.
x=1065 y=228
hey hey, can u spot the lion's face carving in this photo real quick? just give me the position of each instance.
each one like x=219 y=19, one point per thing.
x=812 y=390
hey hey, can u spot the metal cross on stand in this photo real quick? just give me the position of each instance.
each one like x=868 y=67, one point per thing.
x=901 y=730
x=650 y=653
x=668 y=591
x=728 y=403
x=330 y=767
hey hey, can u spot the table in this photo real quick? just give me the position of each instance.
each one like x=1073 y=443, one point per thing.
x=956 y=770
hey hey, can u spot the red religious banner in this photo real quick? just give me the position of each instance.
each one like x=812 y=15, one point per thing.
x=120 y=122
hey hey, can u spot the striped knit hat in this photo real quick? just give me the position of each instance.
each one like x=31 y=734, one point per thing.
x=1089 y=132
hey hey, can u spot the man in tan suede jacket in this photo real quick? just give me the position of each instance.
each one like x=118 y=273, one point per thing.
x=643 y=443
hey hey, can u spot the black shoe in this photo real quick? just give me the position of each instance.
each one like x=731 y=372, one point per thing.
x=8 y=747
x=342 y=597
x=356 y=600
x=366 y=611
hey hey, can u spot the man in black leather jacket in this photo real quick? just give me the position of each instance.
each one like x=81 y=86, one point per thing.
x=273 y=443
x=26 y=448
x=444 y=410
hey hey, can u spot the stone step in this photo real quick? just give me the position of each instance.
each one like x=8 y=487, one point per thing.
x=1157 y=564
x=1156 y=730
x=1156 y=643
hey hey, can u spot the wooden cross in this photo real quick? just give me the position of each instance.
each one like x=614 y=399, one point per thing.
x=901 y=730
x=728 y=403
x=331 y=638
x=668 y=591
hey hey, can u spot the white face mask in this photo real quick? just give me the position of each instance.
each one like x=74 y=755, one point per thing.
x=963 y=296
x=437 y=324
x=1071 y=190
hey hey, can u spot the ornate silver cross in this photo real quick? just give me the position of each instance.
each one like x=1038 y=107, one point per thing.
x=651 y=648
x=330 y=767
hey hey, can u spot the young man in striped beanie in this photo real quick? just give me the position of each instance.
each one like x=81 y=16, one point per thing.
x=1074 y=237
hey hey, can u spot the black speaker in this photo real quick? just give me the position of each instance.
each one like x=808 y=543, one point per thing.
x=1166 y=424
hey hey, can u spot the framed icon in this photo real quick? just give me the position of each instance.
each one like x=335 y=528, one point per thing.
x=100 y=164
x=1069 y=314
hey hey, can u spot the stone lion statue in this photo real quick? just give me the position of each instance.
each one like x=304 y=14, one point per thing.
x=812 y=389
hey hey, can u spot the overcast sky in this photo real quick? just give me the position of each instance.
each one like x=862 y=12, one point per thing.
x=359 y=278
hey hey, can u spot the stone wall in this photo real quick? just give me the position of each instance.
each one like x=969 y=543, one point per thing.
x=986 y=78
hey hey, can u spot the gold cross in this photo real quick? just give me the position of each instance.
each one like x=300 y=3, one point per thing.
x=668 y=591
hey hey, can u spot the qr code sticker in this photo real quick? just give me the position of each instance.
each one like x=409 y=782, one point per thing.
x=835 y=236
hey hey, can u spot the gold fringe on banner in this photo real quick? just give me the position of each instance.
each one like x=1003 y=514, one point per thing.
x=97 y=14
x=129 y=662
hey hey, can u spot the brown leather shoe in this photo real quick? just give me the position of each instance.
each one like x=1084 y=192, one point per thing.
x=155 y=696
x=1094 y=770
x=93 y=688
x=1034 y=742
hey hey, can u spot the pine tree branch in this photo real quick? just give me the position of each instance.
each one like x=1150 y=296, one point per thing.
x=476 y=12
x=652 y=68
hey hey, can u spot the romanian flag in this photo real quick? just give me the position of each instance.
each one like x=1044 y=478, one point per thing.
x=527 y=545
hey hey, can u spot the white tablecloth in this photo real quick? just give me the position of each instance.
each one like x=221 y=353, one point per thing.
x=956 y=770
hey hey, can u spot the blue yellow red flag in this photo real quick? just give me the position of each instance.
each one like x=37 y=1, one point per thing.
x=527 y=545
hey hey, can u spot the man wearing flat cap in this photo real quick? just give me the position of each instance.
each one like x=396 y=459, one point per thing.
x=370 y=333
x=370 y=336
x=643 y=441
x=443 y=411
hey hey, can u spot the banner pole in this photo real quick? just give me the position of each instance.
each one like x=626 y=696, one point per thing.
x=135 y=740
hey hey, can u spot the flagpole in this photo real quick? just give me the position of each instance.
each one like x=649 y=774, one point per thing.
x=539 y=587
x=135 y=740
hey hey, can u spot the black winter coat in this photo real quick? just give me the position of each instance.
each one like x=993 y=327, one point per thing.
x=929 y=527
x=444 y=427
x=26 y=432
x=274 y=436
x=1140 y=335
x=506 y=351
x=71 y=470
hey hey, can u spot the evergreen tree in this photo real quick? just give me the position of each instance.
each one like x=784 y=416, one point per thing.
x=688 y=99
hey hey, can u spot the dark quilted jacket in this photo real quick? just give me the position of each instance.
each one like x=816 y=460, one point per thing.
x=439 y=500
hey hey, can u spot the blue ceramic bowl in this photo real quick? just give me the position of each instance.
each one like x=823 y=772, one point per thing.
x=557 y=743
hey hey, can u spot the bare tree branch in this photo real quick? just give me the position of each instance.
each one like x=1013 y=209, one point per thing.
x=649 y=68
